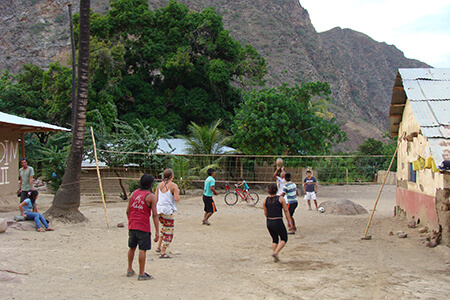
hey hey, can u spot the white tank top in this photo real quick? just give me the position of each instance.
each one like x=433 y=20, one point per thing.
x=166 y=203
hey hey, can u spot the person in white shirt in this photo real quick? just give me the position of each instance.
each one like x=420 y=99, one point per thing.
x=167 y=194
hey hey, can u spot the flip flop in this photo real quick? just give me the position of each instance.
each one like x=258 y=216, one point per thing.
x=49 y=229
x=158 y=250
x=165 y=255
x=40 y=230
x=275 y=257
x=145 y=277
x=129 y=274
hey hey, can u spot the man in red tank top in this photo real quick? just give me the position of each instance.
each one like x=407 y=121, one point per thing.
x=141 y=206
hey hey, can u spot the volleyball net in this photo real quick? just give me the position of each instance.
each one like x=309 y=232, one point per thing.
x=121 y=171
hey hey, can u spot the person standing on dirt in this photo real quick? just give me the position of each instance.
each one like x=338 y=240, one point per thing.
x=167 y=195
x=26 y=183
x=208 y=192
x=274 y=206
x=278 y=175
x=310 y=189
x=290 y=194
x=141 y=206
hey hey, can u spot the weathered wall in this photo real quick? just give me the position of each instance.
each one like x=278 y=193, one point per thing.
x=409 y=151
x=443 y=212
x=9 y=170
x=417 y=199
x=390 y=180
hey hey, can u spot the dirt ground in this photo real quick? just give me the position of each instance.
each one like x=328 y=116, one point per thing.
x=230 y=259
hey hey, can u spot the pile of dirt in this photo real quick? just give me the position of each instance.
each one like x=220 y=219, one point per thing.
x=343 y=207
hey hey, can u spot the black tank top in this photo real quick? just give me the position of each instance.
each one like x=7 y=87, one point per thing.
x=274 y=207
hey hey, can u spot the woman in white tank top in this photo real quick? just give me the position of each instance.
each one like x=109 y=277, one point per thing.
x=167 y=194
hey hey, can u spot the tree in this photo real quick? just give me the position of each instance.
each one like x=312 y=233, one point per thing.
x=206 y=139
x=179 y=66
x=281 y=121
x=67 y=199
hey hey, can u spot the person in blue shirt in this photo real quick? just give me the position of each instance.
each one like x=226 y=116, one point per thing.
x=208 y=192
x=245 y=187
x=28 y=209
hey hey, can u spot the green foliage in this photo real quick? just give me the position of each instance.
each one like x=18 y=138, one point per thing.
x=138 y=138
x=281 y=121
x=54 y=159
x=175 y=66
x=206 y=139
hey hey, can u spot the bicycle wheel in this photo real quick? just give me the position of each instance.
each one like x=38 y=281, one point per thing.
x=231 y=198
x=253 y=198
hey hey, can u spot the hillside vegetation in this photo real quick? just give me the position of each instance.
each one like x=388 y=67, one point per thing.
x=360 y=71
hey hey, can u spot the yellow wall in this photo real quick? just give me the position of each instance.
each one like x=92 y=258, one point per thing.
x=409 y=151
x=9 y=169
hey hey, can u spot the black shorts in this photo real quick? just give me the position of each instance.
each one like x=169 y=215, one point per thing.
x=292 y=207
x=141 y=238
x=277 y=230
x=210 y=206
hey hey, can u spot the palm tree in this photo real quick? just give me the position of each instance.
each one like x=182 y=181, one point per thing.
x=67 y=199
x=206 y=139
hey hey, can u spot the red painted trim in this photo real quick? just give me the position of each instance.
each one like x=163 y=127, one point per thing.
x=420 y=206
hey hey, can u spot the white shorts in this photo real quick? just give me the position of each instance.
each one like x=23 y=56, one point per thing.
x=310 y=196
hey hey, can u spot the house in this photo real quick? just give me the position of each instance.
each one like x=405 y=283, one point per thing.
x=11 y=127
x=420 y=116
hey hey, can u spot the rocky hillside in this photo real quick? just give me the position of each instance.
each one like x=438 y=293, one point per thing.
x=360 y=70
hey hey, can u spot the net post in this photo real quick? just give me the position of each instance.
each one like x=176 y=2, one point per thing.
x=99 y=177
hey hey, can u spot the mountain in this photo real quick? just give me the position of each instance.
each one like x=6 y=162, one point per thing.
x=360 y=70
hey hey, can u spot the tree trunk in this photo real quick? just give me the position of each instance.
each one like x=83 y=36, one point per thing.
x=67 y=199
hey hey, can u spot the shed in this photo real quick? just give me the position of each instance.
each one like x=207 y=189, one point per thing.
x=420 y=112
x=11 y=127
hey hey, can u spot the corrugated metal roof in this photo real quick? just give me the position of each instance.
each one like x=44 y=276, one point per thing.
x=431 y=74
x=423 y=113
x=428 y=91
x=179 y=146
x=25 y=124
x=420 y=90
x=436 y=132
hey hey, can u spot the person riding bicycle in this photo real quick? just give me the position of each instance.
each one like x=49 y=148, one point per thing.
x=245 y=187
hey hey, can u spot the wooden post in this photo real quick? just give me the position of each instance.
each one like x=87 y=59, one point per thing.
x=346 y=175
x=98 y=175
x=382 y=186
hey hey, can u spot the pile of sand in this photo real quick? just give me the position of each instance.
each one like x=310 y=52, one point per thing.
x=343 y=207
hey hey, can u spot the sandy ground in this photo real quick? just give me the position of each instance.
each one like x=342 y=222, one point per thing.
x=231 y=258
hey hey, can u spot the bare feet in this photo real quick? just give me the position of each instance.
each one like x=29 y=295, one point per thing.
x=40 y=230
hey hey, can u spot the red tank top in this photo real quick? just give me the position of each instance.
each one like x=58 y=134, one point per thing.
x=139 y=217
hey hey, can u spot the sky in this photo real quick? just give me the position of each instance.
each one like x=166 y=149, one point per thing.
x=421 y=29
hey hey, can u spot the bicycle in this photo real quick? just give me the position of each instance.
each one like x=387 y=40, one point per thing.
x=231 y=198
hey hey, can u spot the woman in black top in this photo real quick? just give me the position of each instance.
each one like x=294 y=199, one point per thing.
x=273 y=207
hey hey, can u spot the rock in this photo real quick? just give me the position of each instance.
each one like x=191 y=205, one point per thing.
x=391 y=233
x=121 y=224
x=24 y=226
x=431 y=244
x=411 y=224
x=7 y=277
x=343 y=207
x=423 y=230
x=400 y=232
x=402 y=236
x=3 y=225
